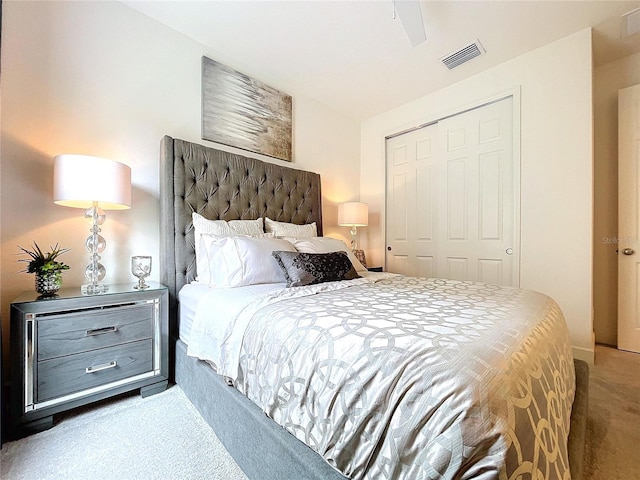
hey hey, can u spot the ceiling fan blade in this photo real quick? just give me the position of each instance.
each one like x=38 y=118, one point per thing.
x=411 y=16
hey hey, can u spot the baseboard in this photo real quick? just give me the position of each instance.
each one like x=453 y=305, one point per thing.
x=584 y=354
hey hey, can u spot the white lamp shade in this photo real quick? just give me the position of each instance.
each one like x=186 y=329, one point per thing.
x=353 y=214
x=81 y=180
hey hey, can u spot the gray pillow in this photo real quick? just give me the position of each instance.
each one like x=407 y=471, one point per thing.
x=310 y=268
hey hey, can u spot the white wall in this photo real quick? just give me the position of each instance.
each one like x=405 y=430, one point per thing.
x=555 y=84
x=99 y=78
x=607 y=80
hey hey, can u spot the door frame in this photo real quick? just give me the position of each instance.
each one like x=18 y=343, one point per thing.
x=516 y=103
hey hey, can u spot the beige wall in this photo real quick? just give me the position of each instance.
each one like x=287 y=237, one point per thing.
x=607 y=80
x=555 y=90
x=99 y=78
x=102 y=79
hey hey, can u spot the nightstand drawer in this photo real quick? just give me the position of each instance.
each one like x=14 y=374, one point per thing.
x=82 y=331
x=73 y=373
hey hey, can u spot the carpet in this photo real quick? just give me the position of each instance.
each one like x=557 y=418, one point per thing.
x=613 y=425
x=130 y=437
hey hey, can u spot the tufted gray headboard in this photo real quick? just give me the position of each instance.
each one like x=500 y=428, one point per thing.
x=226 y=186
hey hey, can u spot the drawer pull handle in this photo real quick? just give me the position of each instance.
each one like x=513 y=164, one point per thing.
x=101 y=331
x=97 y=368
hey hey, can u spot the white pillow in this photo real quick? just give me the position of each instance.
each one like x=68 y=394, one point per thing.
x=222 y=227
x=239 y=261
x=202 y=225
x=325 y=245
x=283 y=229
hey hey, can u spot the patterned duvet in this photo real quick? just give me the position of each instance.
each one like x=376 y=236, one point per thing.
x=407 y=378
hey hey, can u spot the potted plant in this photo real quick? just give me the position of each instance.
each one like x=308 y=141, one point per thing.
x=48 y=270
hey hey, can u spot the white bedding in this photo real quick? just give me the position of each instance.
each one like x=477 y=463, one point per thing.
x=219 y=302
x=188 y=298
x=222 y=316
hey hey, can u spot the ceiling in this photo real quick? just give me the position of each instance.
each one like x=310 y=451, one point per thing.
x=354 y=57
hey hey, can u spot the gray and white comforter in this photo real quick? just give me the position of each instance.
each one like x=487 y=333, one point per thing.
x=407 y=378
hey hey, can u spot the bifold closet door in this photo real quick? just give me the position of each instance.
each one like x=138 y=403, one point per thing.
x=451 y=198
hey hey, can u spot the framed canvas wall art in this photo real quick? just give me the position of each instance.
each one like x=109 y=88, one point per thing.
x=242 y=112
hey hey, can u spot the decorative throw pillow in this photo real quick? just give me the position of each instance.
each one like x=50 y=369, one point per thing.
x=283 y=229
x=202 y=225
x=325 y=245
x=223 y=227
x=239 y=261
x=311 y=268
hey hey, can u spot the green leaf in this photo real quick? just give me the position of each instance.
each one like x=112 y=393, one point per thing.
x=39 y=262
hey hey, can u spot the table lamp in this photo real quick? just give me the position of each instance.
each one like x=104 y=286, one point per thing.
x=95 y=184
x=353 y=214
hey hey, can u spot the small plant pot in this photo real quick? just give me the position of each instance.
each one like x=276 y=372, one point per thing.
x=48 y=284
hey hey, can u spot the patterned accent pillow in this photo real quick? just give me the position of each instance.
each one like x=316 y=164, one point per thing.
x=283 y=229
x=325 y=245
x=311 y=268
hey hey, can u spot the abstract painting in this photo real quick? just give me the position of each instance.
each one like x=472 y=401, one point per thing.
x=242 y=112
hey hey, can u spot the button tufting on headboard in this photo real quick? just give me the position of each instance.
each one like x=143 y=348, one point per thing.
x=223 y=185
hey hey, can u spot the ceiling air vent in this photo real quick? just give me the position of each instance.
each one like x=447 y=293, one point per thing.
x=630 y=23
x=463 y=55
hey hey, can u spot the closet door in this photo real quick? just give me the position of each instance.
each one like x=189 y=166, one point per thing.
x=451 y=198
x=411 y=202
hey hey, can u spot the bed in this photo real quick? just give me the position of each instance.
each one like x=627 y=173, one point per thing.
x=221 y=185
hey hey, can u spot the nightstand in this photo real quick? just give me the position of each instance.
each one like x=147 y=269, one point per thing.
x=72 y=349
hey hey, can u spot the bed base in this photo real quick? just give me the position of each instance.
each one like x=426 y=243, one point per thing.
x=256 y=443
x=579 y=414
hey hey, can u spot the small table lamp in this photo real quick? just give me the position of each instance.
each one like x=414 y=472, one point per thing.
x=95 y=184
x=353 y=214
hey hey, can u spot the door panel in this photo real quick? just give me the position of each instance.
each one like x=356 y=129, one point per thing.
x=489 y=271
x=456 y=268
x=424 y=207
x=490 y=197
x=424 y=267
x=399 y=207
x=398 y=263
x=456 y=199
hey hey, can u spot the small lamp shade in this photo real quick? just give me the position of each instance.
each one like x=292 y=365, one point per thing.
x=353 y=214
x=80 y=181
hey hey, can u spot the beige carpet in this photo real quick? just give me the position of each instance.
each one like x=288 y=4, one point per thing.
x=613 y=428
x=160 y=437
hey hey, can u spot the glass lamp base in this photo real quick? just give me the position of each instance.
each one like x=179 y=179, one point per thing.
x=93 y=289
